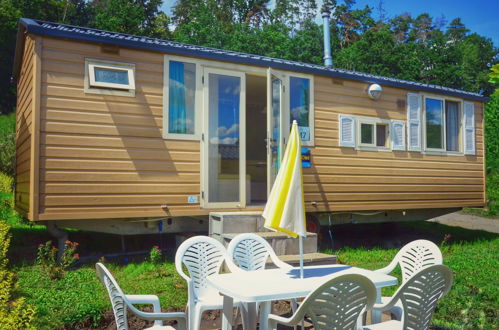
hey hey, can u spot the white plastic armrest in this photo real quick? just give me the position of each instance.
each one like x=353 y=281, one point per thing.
x=232 y=266
x=281 y=264
x=388 y=305
x=388 y=269
x=145 y=299
x=273 y=319
x=180 y=317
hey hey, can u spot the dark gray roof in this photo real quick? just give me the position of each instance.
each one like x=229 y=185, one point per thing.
x=132 y=41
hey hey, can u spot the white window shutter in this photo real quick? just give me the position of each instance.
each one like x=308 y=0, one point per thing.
x=347 y=131
x=398 y=134
x=414 y=121
x=469 y=128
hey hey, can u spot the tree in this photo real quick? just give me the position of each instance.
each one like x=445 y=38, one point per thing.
x=456 y=30
x=119 y=16
x=401 y=26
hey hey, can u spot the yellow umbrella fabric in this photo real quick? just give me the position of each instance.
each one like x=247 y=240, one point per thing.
x=285 y=208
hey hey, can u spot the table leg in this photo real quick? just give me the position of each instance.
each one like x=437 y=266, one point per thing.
x=265 y=309
x=227 y=313
x=250 y=317
x=376 y=315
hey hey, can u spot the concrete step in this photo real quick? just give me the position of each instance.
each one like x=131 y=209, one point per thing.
x=310 y=259
x=282 y=243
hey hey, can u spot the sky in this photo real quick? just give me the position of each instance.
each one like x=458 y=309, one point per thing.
x=481 y=16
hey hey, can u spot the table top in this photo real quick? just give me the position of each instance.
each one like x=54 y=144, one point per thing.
x=275 y=284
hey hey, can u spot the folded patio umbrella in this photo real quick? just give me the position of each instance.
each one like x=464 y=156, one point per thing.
x=285 y=208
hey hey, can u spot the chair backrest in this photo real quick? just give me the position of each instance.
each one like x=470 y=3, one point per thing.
x=202 y=256
x=419 y=295
x=250 y=252
x=338 y=303
x=116 y=296
x=417 y=255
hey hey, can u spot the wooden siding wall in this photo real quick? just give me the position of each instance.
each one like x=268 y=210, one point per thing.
x=343 y=179
x=104 y=156
x=24 y=129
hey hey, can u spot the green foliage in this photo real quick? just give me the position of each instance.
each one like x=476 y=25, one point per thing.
x=14 y=312
x=79 y=298
x=492 y=186
x=494 y=75
x=119 y=16
x=7 y=143
x=6 y=182
x=492 y=151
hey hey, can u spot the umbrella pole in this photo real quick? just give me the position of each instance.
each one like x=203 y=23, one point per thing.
x=301 y=255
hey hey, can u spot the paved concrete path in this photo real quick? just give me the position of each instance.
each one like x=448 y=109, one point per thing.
x=468 y=221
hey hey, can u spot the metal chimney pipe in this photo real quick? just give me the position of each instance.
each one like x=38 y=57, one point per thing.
x=328 y=60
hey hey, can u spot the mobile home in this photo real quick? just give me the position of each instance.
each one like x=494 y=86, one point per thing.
x=121 y=131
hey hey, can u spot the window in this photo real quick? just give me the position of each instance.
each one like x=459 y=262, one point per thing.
x=443 y=125
x=179 y=120
x=434 y=124
x=107 y=77
x=300 y=101
x=374 y=133
x=371 y=134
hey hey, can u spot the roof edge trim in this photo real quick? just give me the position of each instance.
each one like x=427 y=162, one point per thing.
x=157 y=45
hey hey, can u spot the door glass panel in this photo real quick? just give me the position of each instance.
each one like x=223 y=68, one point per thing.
x=275 y=146
x=223 y=138
x=299 y=97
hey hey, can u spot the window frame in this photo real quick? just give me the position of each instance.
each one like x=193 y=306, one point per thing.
x=443 y=151
x=287 y=107
x=198 y=99
x=106 y=88
x=372 y=121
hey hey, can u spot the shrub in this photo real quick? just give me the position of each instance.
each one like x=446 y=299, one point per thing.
x=14 y=313
x=155 y=255
x=47 y=259
x=7 y=143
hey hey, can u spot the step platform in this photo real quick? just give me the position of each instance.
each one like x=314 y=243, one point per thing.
x=282 y=243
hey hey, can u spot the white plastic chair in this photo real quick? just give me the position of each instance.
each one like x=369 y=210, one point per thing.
x=335 y=304
x=121 y=302
x=418 y=297
x=202 y=256
x=413 y=257
x=250 y=252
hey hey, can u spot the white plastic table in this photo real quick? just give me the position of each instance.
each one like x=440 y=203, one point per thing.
x=267 y=285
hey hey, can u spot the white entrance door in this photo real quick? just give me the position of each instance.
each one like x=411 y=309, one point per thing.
x=275 y=125
x=224 y=143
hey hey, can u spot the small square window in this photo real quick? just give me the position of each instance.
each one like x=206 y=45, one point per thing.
x=374 y=133
x=109 y=76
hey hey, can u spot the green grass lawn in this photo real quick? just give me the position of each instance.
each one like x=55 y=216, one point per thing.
x=79 y=300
